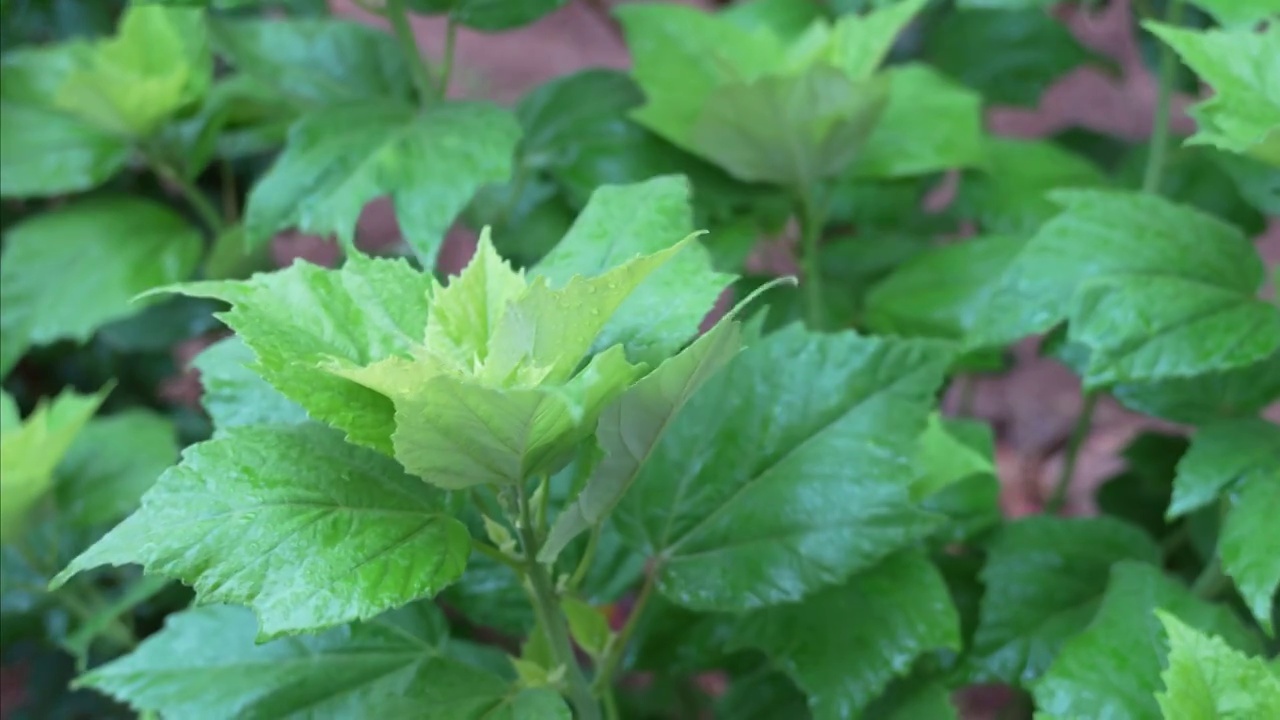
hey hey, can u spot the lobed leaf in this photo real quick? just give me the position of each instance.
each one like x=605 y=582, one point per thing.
x=307 y=530
x=337 y=159
x=1207 y=678
x=844 y=644
x=205 y=663
x=789 y=471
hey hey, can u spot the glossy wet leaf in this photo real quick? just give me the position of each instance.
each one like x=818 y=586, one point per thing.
x=111 y=463
x=1207 y=678
x=307 y=530
x=114 y=247
x=45 y=150
x=1011 y=56
x=1010 y=196
x=31 y=447
x=1112 y=669
x=843 y=645
x=630 y=429
x=297 y=319
x=234 y=395
x=1243 y=68
x=1044 y=579
x=339 y=158
x=205 y=664
x=315 y=61
x=929 y=124
x=770 y=485
x=621 y=222
x=1155 y=290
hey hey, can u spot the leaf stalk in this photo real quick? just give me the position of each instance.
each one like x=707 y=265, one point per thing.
x=1084 y=422
x=1159 y=145
x=811 y=222
x=398 y=15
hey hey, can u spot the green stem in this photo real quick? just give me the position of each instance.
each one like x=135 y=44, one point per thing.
x=810 y=259
x=446 y=65
x=588 y=556
x=618 y=648
x=398 y=16
x=547 y=608
x=494 y=553
x=1164 y=103
x=114 y=631
x=1083 y=424
x=194 y=196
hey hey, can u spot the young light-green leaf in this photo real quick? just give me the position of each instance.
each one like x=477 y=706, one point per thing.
x=339 y=158
x=1208 y=679
x=621 y=222
x=843 y=645
x=1112 y=669
x=113 y=247
x=1243 y=67
x=304 y=317
x=206 y=665
x=1044 y=580
x=304 y=528
x=789 y=471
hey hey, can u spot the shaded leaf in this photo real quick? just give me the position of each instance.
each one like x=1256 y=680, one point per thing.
x=488 y=15
x=1010 y=195
x=307 y=530
x=234 y=395
x=1225 y=454
x=111 y=463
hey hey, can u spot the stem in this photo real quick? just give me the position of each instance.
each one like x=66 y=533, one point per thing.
x=1083 y=423
x=611 y=705
x=494 y=553
x=398 y=16
x=547 y=607
x=1164 y=102
x=588 y=556
x=230 y=211
x=446 y=66
x=609 y=664
x=192 y=194
x=810 y=259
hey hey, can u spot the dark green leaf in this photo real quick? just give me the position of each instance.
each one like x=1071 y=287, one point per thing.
x=488 y=15
x=1112 y=669
x=68 y=271
x=1197 y=176
x=315 y=61
x=1009 y=196
x=1010 y=56
x=338 y=159
x=772 y=484
x=1241 y=392
x=1044 y=577
x=1257 y=182
x=843 y=645
x=401 y=665
x=305 y=529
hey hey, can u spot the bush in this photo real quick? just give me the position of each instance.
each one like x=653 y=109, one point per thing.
x=567 y=481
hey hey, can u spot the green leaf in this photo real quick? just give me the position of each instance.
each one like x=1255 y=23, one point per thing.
x=1243 y=67
x=855 y=44
x=1009 y=197
x=1240 y=392
x=915 y=700
x=234 y=395
x=1239 y=12
x=621 y=222
x=793 y=130
x=1044 y=577
x=1155 y=290
x=945 y=457
x=913 y=302
x=1221 y=455
x=44 y=150
x=205 y=663
x=157 y=64
x=771 y=484
x=111 y=463
x=783 y=18
x=339 y=158
x=1112 y=669
x=114 y=248
x=588 y=625
x=1208 y=679
x=929 y=124
x=1240 y=458
x=1257 y=183
x=630 y=429
x=843 y=645
x=1010 y=56
x=304 y=317
x=30 y=449
x=305 y=529
x=488 y=15
x=315 y=61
